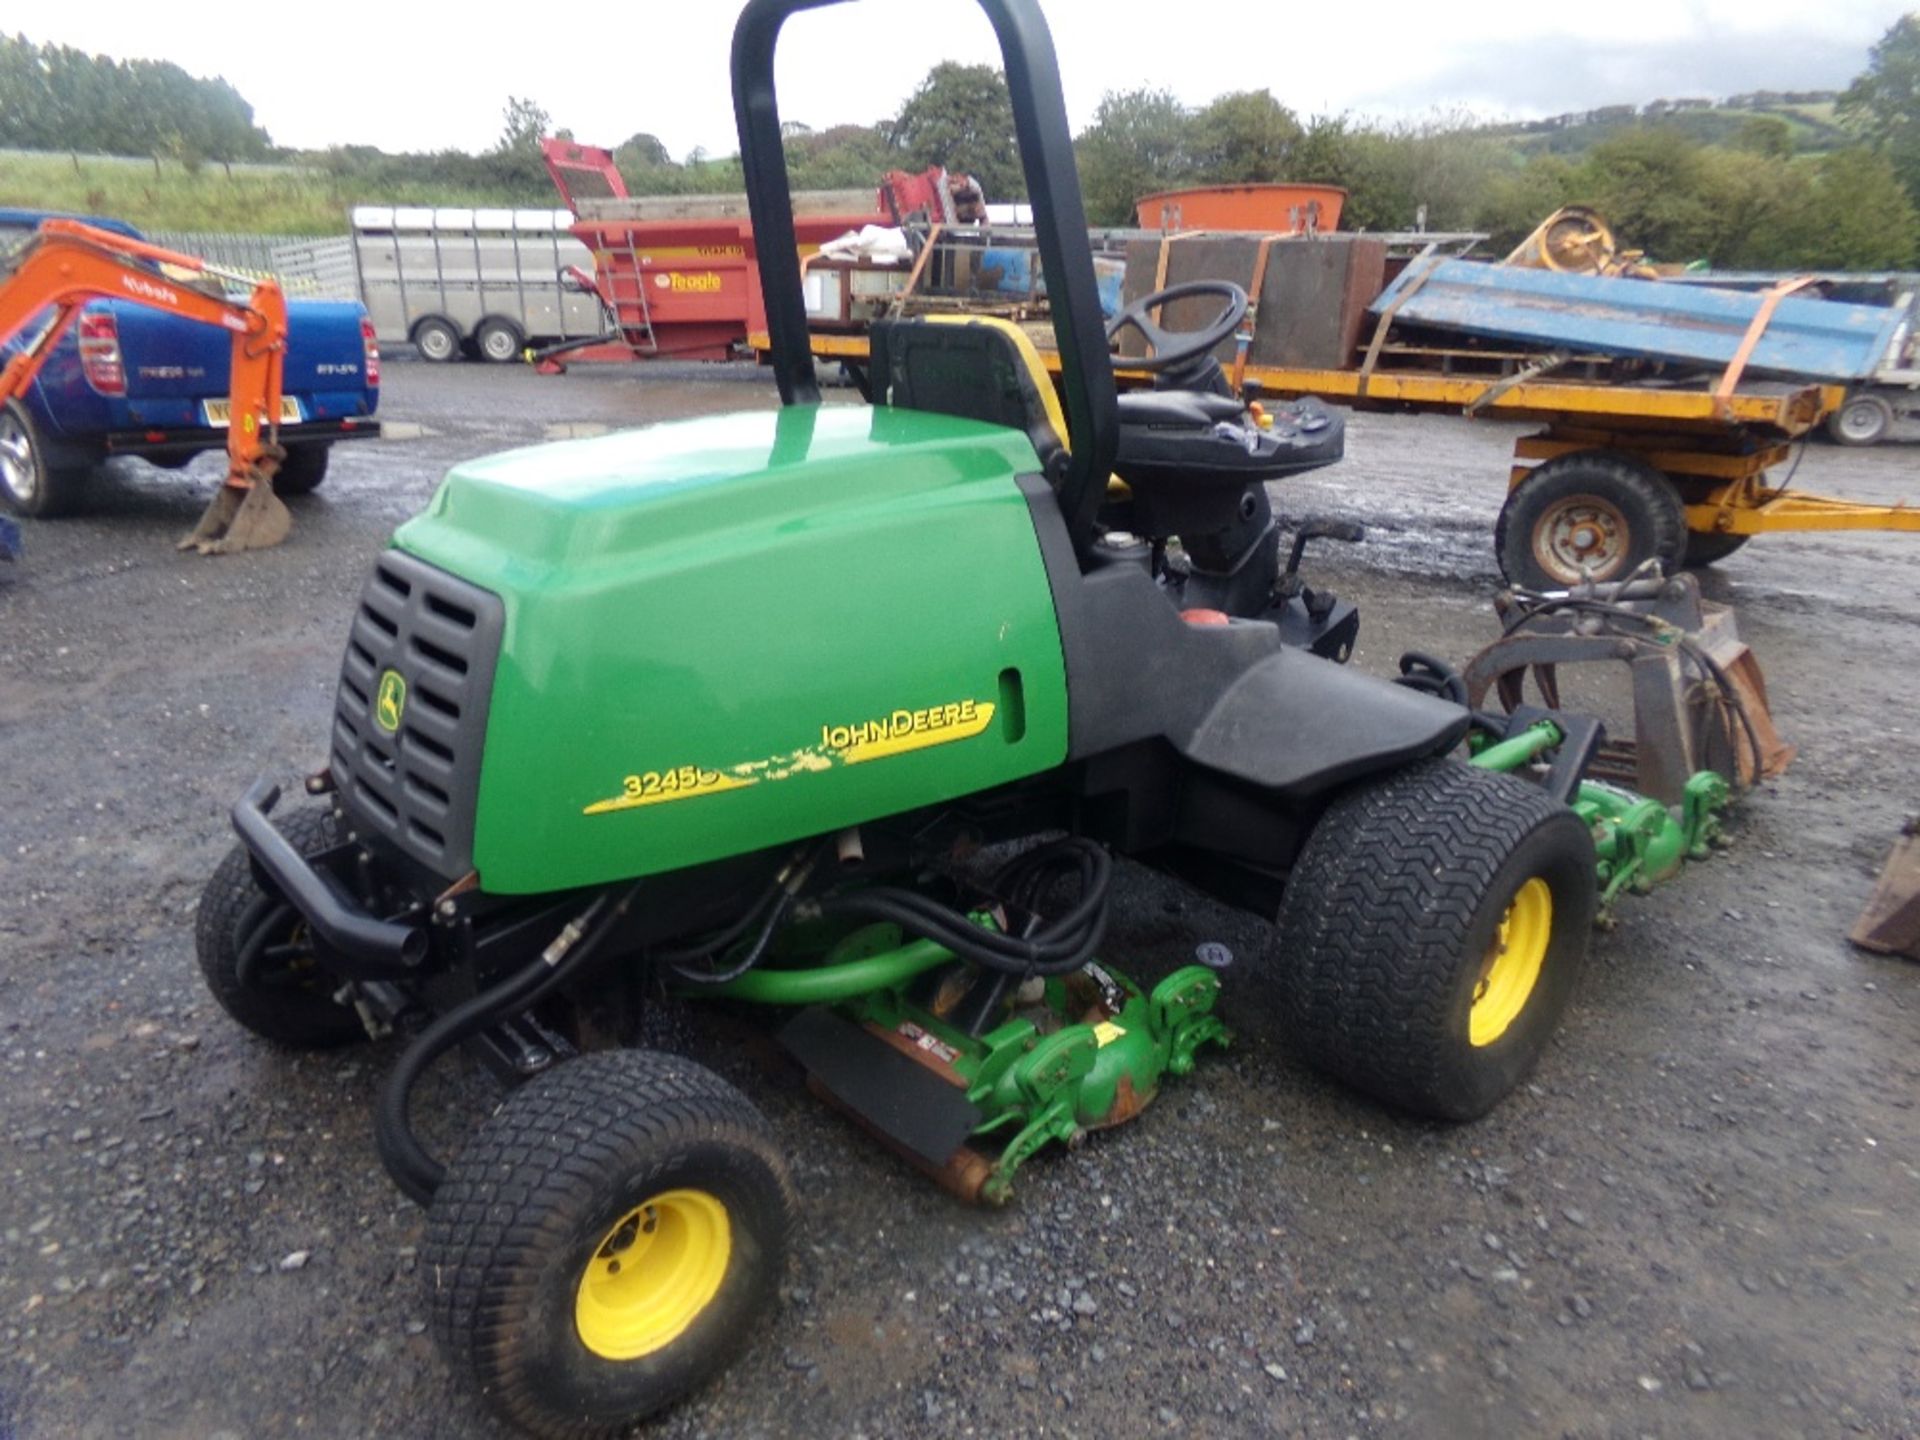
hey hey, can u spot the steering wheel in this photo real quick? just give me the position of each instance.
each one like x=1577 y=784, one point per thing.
x=1172 y=349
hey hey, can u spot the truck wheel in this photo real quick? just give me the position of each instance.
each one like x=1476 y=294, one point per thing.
x=303 y=469
x=1861 y=420
x=1602 y=513
x=277 y=991
x=436 y=340
x=1704 y=548
x=605 y=1242
x=29 y=483
x=1431 y=934
x=498 y=342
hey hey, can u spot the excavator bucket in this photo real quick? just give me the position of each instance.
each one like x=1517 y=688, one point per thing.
x=250 y=518
x=245 y=514
x=1890 y=925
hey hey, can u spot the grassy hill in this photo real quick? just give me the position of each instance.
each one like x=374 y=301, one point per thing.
x=285 y=199
x=1808 y=117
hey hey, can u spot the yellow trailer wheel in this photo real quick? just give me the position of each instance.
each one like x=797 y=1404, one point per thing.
x=1590 y=514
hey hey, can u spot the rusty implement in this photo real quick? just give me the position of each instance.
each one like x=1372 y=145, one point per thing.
x=1890 y=925
x=1699 y=699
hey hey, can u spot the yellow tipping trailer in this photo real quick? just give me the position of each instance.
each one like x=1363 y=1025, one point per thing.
x=1620 y=472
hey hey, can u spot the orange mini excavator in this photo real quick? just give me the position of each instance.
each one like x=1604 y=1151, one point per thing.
x=65 y=264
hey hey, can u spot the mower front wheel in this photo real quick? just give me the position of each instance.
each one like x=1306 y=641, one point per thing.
x=254 y=954
x=1431 y=934
x=606 y=1241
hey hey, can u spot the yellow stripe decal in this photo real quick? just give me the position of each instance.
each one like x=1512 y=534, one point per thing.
x=899 y=732
x=658 y=787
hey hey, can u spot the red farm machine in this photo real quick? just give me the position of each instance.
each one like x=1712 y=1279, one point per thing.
x=678 y=276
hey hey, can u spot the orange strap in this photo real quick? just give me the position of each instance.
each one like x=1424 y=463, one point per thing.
x=1769 y=302
x=919 y=267
x=1386 y=323
x=1253 y=303
x=1166 y=254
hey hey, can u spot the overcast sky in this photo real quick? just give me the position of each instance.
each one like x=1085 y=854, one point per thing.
x=413 y=77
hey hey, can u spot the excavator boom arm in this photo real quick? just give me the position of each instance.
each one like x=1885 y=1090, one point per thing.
x=66 y=263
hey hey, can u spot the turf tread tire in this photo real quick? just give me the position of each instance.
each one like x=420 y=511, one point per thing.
x=291 y=1019
x=1385 y=917
x=1656 y=520
x=504 y=1235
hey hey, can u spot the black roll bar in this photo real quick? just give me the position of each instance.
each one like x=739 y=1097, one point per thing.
x=1059 y=218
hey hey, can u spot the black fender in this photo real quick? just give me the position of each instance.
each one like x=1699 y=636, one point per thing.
x=1228 y=698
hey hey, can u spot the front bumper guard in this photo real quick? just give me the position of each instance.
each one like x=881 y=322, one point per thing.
x=369 y=947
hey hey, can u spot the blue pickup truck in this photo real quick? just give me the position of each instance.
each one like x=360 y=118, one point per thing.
x=129 y=380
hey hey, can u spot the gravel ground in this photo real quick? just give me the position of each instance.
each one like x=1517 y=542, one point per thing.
x=1701 y=1218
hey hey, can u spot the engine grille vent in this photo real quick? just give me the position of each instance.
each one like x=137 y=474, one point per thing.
x=406 y=750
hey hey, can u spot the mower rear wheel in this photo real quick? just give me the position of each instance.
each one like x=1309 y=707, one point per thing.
x=277 y=992
x=605 y=1242
x=1431 y=933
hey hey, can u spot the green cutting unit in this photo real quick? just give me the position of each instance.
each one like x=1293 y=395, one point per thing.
x=840 y=714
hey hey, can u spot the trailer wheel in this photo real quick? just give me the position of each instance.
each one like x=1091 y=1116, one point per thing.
x=279 y=993
x=1861 y=420
x=606 y=1241
x=1594 y=512
x=1431 y=934
x=303 y=469
x=30 y=484
x=436 y=339
x=497 y=341
x=1703 y=548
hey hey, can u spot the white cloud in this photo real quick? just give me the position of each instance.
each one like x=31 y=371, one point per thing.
x=416 y=77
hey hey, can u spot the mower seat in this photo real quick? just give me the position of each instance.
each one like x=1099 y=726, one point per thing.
x=976 y=367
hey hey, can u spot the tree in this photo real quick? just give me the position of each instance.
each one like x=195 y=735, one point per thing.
x=1652 y=185
x=53 y=97
x=1138 y=143
x=1883 y=104
x=841 y=157
x=525 y=122
x=1243 y=136
x=961 y=117
x=1517 y=199
x=1767 y=135
x=1861 y=217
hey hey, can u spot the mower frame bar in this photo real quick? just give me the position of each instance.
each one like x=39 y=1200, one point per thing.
x=1059 y=218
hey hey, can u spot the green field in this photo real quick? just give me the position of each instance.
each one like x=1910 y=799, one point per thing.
x=265 y=199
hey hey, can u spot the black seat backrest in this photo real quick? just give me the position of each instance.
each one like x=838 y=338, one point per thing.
x=976 y=371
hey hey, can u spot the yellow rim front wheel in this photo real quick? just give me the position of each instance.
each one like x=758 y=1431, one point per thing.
x=654 y=1272
x=1513 y=963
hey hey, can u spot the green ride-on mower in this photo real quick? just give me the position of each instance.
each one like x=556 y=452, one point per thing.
x=739 y=708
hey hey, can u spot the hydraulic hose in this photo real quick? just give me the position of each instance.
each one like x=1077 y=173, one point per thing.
x=755 y=952
x=257 y=923
x=414 y=1170
x=1054 y=947
x=1431 y=675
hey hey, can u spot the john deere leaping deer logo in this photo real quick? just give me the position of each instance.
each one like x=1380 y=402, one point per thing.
x=390 y=701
